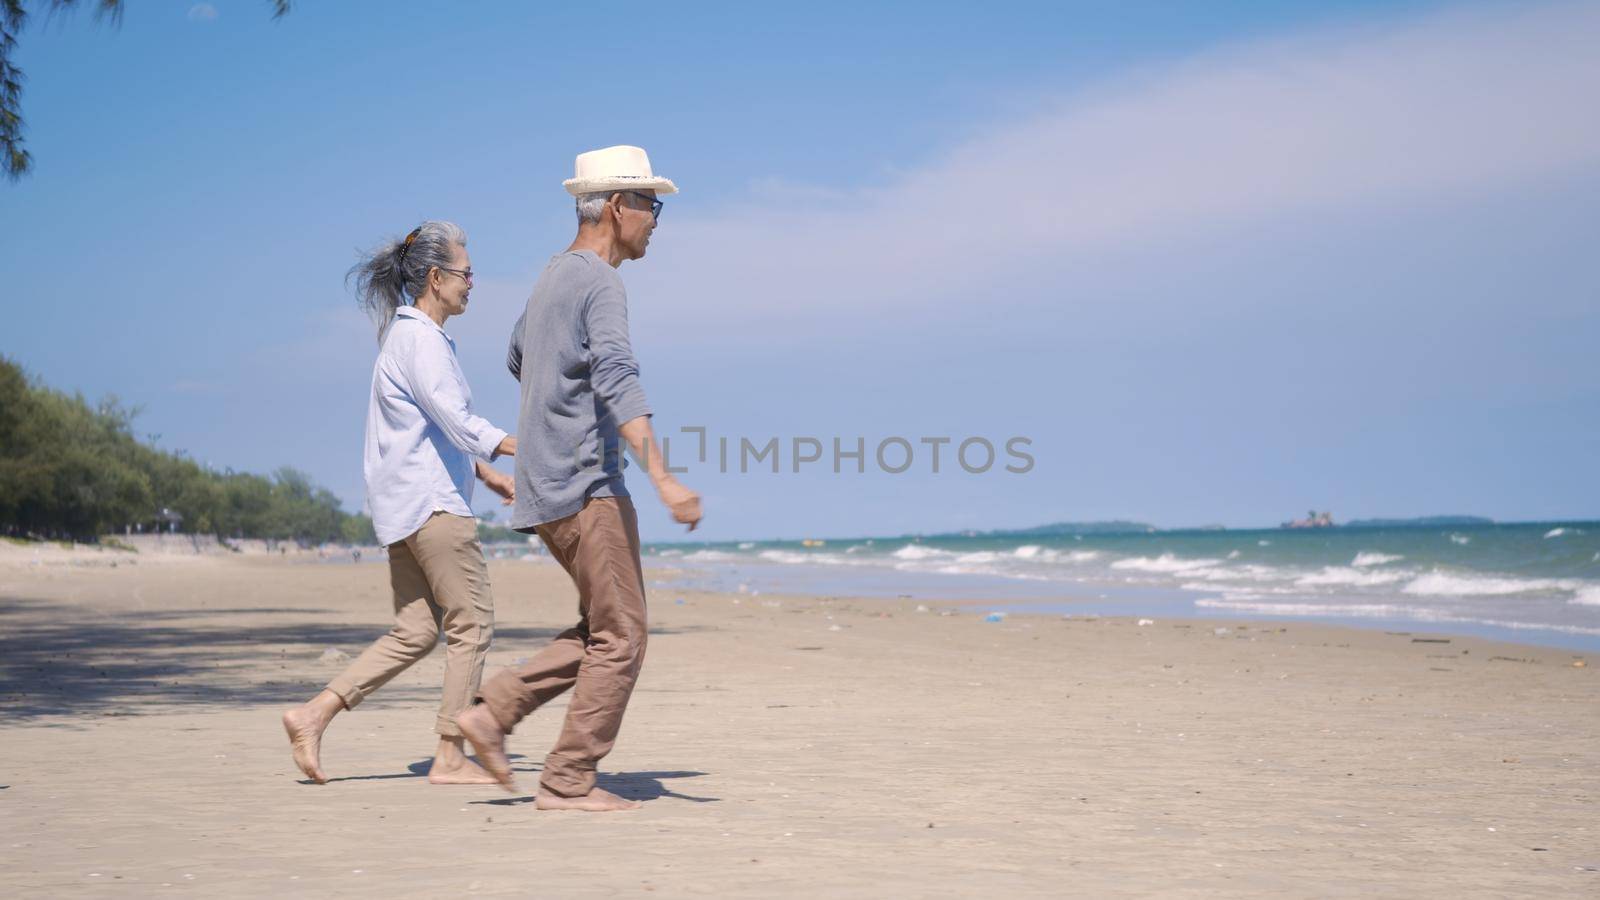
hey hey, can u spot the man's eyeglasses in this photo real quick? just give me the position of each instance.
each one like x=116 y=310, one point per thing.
x=655 y=205
x=463 y=274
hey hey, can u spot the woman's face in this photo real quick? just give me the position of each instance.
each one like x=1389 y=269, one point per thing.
x=454 y=283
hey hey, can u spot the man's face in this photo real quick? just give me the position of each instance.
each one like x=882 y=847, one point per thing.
x=636 y=221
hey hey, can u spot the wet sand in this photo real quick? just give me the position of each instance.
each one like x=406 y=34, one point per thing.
x=782 y=746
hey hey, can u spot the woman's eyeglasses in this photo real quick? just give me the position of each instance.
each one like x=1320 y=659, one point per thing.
x=463 y=274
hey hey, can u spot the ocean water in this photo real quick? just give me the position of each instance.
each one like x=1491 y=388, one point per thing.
x=1531 y=582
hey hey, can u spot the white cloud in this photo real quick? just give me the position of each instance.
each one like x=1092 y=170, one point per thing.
x=202 y=12
x=1425 y=109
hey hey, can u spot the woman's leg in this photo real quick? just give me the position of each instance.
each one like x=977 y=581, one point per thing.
x=447 y=549
x=415 y=632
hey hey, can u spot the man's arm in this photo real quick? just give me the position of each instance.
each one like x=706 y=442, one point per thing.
x=615 y=375
x=683 y=503
x=514 y=351
x=613 y=371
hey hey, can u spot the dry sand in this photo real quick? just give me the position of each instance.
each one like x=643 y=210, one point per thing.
x=784 y=746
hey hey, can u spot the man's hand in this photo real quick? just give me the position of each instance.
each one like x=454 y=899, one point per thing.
x=499 y=482
x=682 y=502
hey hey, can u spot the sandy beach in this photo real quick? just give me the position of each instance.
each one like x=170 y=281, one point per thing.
x=783 y=745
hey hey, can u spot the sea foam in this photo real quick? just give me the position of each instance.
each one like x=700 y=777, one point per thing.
x=1166 y=562
x=1446 y=584
x=1348 y=577
x=917 y=551
x=1589 y=596
x=1372 y=558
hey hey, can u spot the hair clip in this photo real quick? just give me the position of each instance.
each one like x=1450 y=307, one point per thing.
x=406 y=247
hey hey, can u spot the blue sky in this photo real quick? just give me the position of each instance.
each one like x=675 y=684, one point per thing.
x=1219 y=262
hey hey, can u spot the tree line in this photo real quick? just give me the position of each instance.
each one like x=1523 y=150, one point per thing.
x=72 y=470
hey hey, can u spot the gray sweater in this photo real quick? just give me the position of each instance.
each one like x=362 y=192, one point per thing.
x=570 y=352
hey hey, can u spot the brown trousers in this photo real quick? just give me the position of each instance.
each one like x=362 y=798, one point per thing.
x=441 y=583
x=599 y=658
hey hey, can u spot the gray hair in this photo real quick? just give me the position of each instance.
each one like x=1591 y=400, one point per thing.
x=591 y=206
x=396 y=270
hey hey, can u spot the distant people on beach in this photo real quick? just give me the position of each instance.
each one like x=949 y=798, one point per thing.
x=424 y=446
x=581 y=397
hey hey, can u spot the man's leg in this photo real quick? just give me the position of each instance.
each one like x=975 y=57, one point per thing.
x=610 y=583
x=414 y=633
x=448 y=551
x=515 y=692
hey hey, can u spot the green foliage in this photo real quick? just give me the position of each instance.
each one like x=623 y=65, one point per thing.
x=357 y=529
x=498 y=534
x=71 y=470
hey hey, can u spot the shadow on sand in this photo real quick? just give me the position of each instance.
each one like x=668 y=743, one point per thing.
x=417 y=769
x=642 y=786
x=61 y=659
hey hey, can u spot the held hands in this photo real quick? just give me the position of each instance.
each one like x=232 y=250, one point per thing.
x=500 y=483
x=683 y=503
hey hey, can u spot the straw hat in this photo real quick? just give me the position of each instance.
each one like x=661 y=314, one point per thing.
x=620 y=168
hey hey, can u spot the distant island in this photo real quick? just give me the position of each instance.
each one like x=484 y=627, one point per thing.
x=1316 y=519
x=1420 y=522
x=1121 y=526
x=1068 y=529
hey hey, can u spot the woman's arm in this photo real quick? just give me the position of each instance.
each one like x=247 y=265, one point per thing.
x=435 y=381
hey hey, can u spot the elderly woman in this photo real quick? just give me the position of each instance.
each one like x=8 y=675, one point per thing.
x=423 y=447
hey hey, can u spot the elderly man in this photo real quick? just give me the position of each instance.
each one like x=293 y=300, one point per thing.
x=580 y=392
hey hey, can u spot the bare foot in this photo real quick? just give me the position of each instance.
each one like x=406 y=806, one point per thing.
x=305 y=739
x=484 y=732
x=464 y=772
x=597 y=800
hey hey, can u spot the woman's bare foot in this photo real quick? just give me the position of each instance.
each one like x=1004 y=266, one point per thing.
x=489 y=740
x=304 y=725
x=597 y=800
x=451 y=765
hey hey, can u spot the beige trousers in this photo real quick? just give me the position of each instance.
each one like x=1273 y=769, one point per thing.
x=441 y=583
x=599 y=658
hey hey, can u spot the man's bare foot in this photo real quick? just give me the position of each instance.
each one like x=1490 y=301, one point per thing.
x=597 y=800
x=489 y=740
x=305 y=740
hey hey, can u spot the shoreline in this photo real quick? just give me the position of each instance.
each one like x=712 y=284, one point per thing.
x=987 y=594
x=1110 y=601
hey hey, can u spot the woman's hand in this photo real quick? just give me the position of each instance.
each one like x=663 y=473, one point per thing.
x=499 y=482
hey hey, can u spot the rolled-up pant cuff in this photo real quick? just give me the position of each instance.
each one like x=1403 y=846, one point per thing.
x=347 y=691
x=501 y=698
x=567 y=777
